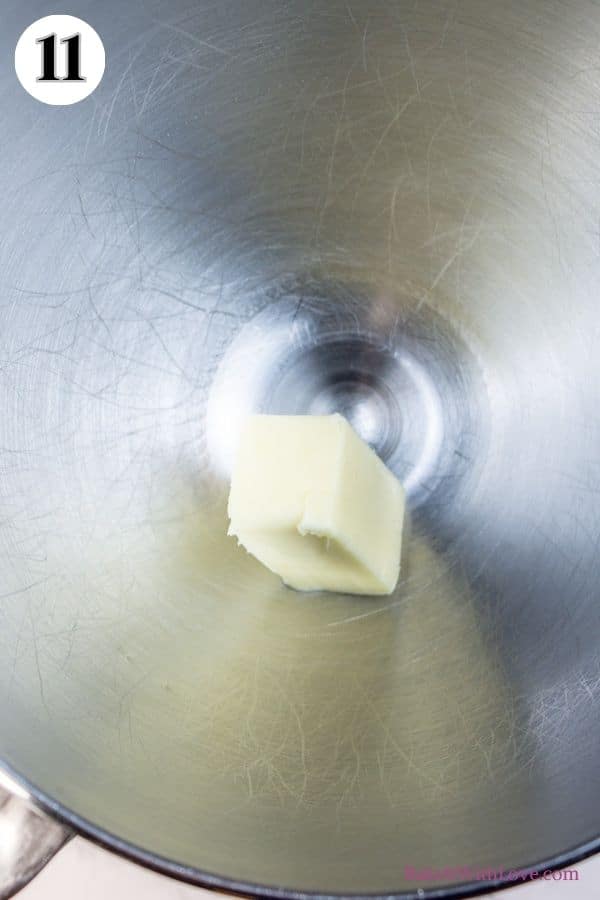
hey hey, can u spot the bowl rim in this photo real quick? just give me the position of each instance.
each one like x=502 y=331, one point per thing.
x=222 y=884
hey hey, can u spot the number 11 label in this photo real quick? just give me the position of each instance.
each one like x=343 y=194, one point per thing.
x=59 y=60
x=73 y=53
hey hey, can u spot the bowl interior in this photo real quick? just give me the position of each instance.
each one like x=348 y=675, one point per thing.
x=388 y=210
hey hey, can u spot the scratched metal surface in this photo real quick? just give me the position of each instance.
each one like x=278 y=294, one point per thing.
x=386 y=208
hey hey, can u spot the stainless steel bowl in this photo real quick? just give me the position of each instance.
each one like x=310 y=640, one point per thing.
x=389 y=209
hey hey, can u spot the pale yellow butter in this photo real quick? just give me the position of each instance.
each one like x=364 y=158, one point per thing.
x=316 y=505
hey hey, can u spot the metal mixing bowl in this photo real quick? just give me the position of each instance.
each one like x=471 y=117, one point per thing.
x=389 y=209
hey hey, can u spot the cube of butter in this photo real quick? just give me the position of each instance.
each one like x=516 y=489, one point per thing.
x=316 y=505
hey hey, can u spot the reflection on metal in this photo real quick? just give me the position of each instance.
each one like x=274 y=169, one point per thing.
x=11 y=786
x=28 y=840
